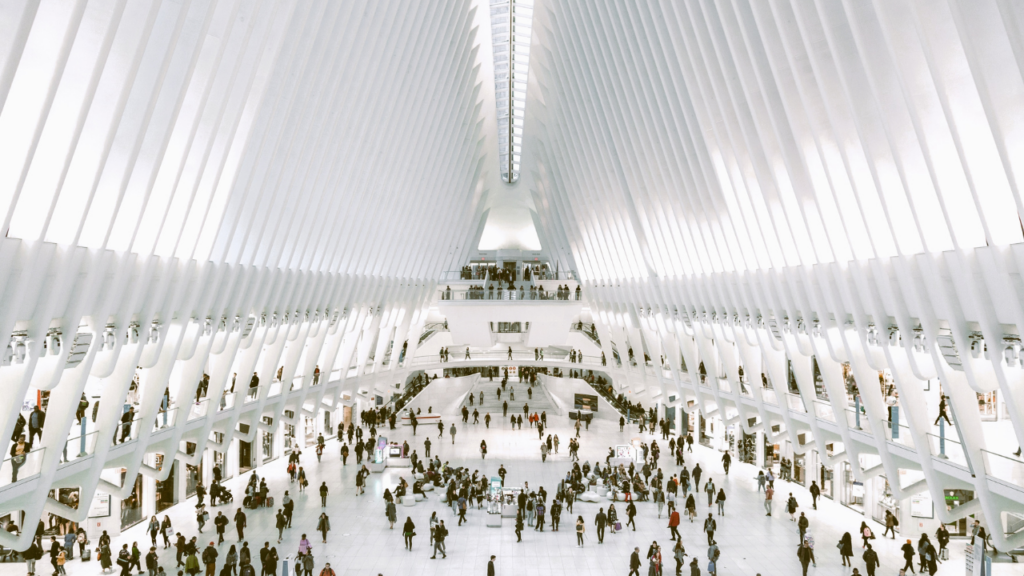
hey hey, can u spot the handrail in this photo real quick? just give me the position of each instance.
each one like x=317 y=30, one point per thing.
x=476 y=294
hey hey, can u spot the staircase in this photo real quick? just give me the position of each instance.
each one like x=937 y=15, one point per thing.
x=491 y=404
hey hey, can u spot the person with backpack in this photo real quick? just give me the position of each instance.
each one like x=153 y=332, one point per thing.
x=870 y=558
x=440 y=532
x=210 y=559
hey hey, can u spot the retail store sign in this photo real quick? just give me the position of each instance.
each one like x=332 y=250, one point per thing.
x=921 y=506
x=100 y=506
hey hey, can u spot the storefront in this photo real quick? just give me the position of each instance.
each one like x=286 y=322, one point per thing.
x=884 y=501
x=748 y=448
x=955 y=498
x=166 y=496
x=131 y=507
x=244 y=456
x=851 y=493
x=267 y=453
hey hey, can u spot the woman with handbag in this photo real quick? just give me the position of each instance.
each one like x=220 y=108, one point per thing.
x=167 y=531
x=845 y=546
x=408 y=530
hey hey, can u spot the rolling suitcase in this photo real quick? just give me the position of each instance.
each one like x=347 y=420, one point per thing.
x=270 y=501
x=87 y=555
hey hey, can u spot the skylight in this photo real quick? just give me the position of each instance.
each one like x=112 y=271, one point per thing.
x=510 y=32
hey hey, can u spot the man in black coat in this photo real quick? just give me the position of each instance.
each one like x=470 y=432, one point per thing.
x=634 y=562
x=601 y=520
x=490 y=564
x=240 y=524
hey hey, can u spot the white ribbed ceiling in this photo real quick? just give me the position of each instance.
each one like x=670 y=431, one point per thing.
x=325 y=136
x=668 y=138
x=686 y=138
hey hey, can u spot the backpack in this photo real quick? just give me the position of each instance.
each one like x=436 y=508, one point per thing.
x=529 y=504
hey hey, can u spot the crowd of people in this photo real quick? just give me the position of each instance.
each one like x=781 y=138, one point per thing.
x=658 y=478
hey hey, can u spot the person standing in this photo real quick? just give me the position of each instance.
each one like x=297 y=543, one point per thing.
x=580 y=531
x=452 y=432
x=519 y=526
x=600 y=521
x=815 y=493
x=490 y=564
x=323 y=495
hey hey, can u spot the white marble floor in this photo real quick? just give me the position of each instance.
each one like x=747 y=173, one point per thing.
x=362 y=544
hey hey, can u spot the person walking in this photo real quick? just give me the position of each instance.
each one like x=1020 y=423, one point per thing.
x=240 y=524
x=490 y=563
x=890 y=524
x=519 y=526
x=908 y=556
x=581 y=529
x=815 y=493
x=634 y=563
x=209 y=560
x=323 y=495
x=600 y=521
x=440 y=532
x=323 y=525
x=631 y=514
x=791 y=507
x=679 y=553
x=452 y=432
x=673 y=524
x=846 y=549
x=865 y=534
x=720 y=500
x=408 y=531
x=802 y=525
x=870 y=558
x=803 y=552
x=392 y=514
x=709 y=527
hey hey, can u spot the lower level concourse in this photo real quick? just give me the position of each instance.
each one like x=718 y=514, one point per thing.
x=361 y=542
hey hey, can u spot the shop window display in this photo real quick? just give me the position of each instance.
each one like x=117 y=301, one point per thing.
x=131 y=507
x=166 y=495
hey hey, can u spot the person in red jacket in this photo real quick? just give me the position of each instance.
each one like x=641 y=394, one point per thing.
x=673 y=524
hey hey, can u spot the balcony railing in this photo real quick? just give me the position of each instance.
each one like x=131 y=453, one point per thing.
x=506 y=295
